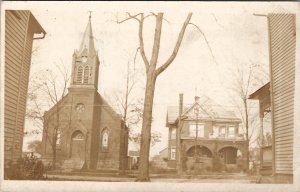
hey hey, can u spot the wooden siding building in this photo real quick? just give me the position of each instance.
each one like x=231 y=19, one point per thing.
x=279 y=93
x=282 y=39
x=21 y=28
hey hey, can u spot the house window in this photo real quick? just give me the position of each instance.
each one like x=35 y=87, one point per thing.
x=231 y=133
x=173 y=133
x=104 y=139
x=193 y=129
x=215 y=132
x=223 y=131
x=173 y=153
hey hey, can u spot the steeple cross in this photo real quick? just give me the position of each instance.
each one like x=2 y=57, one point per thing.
x=90 y=14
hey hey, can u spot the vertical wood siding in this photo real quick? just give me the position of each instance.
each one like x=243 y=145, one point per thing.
x=18 y=46
x=283 y=49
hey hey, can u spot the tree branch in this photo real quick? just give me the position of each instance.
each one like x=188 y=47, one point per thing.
x=134 y=60
x=176 y=48
x=207 y=43
x=153 y=14
x=130 y=17
x=156 y=44
x=141 y=40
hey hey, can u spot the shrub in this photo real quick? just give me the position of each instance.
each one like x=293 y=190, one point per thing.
x=217 y=165
x=27 y=168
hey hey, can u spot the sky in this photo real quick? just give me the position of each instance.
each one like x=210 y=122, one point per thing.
x=236 y=37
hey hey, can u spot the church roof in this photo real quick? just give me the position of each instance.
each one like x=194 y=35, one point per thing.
x=87 y=43
x=100 y=100
x=209 y=110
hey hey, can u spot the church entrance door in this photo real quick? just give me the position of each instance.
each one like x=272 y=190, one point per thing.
x=78 y=146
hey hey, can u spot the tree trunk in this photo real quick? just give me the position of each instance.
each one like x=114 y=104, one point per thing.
x=247 y=133
x=152 y=74
x=54 y=149
x=143 y=174
x=123 y=151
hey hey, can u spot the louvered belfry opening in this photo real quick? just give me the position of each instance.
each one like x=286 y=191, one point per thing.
x=79 y=74
x=86 y=75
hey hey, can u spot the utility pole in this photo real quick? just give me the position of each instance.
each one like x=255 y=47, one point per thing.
x=196 y=111
x=178 y=137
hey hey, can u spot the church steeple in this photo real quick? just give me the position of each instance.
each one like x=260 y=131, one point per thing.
x=88 y=40
x=85 y=66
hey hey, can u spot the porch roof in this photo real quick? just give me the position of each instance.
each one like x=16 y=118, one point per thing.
x=261 y=92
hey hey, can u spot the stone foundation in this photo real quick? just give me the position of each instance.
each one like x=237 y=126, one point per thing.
x=110 y=164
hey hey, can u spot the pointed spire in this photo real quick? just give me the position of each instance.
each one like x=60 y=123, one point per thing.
x=88 y=39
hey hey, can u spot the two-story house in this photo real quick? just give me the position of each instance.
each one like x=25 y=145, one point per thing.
x=208 y=132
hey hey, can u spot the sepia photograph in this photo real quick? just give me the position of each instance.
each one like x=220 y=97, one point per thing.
x=150 y=96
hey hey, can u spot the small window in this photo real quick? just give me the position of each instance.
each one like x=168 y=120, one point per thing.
x=173 y=153
x=58 y=137
x=215 y=132
x=195 y=127
x=231 y=133
x=104 y=139
x=223 y=131
x=173 y=133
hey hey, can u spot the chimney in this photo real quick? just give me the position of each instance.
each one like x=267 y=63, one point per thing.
x=180 y=104
x=197 y=99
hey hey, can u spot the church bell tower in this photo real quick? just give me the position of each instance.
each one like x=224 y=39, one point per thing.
x=85 y=64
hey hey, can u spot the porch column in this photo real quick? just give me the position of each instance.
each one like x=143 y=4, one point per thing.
x=261 y=118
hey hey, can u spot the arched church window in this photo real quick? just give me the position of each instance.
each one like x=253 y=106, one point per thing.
x=104 y=139
x=58 y=138
x=77 y=135
x=86 y=75
x=79 y=74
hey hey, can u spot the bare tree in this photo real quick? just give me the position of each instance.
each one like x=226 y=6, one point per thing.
x=131 y=110
x=35 y=146
x=152 y=72
x=47 y=89
x=155 y=138
x=128 y=111
x=245 y=82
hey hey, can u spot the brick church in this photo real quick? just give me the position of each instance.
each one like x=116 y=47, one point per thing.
x=90 y=133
